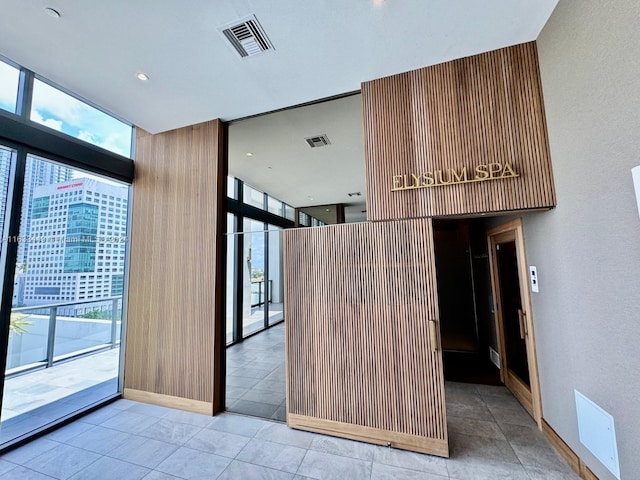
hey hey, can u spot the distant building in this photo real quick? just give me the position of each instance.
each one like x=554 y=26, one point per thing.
x=76 y=249
x=37 y=173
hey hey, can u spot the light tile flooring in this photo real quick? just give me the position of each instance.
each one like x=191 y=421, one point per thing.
x=255 y=375
x=39 y=397
x=491 y=438
x=26 y=392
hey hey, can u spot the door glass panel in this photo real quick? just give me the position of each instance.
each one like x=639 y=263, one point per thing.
x=254 y=293
x=516 y=347
x=231 y=276
x=275 y=287
x=64 y=346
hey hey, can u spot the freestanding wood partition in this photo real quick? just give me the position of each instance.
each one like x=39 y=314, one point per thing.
x=362 y=341
x=174 y=350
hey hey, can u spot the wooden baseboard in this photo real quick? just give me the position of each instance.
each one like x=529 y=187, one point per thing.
x=187 y=404
x=567 y=453
x=370 y=435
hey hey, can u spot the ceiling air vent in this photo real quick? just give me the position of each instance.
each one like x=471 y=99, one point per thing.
x=318 y=141
x=247 y=36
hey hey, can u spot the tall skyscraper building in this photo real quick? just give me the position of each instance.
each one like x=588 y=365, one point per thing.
x=37 y=173
x=77 y=246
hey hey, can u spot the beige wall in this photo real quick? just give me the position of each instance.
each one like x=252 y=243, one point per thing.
x=587 y=250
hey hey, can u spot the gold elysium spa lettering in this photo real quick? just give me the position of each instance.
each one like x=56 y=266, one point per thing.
x=453 y=176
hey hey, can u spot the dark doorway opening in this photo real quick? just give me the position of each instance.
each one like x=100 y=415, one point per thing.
x=465 y=302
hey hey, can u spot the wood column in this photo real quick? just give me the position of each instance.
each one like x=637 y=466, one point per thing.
x=174 y=337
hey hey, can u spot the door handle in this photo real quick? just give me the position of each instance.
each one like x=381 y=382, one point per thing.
x=433 y=337
x=523 y=324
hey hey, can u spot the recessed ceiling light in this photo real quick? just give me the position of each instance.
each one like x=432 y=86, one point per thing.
x=52 y=12
x=310 y=197
x=142 y=76
x=249 y=154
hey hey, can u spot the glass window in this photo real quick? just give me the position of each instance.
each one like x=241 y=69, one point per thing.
x=253 y=196
x=231 y=187
x=64 y=113
x=274 y=206
x=289 y=212
x=6 y=157
x=9 y=80
x=62 y=230
x=305 y=220
x=276 y=276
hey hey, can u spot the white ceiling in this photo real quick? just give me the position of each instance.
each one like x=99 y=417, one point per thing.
x=285 y=166
x=322 y=48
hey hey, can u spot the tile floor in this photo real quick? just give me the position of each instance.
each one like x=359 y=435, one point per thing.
x=255 y=375
x=39 y=397
x=491 y=438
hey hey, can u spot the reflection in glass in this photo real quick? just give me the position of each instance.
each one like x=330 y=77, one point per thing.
x=63 y=351
x=276 y=276
x=9 y=80
x=230 y=276
x=64 y=113
x=253 y=288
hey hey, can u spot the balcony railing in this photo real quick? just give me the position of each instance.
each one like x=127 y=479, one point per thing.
x=258 y=293
x=51 y=333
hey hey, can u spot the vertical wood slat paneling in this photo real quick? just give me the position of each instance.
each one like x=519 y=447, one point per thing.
x=358 y=302
x=170 y=337
x=482 y=109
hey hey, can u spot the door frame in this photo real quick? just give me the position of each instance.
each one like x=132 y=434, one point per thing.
x=513 y=230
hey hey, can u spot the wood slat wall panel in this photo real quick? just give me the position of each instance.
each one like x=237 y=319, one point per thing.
x=476 y=110
x=172 y=281
x=359 y=360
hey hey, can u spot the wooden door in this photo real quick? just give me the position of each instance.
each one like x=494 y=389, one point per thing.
x=518 y=366
x=362 y=336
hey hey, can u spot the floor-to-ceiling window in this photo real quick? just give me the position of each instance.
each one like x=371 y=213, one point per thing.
x=254 y=280
x=65 y=178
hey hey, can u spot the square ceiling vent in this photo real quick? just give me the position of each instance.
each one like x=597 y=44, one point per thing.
x=247 y=37
x=318 y=141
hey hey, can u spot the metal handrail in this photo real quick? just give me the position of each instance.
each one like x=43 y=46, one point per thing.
x=260 y=293
x=66 y=304
x=53 y=317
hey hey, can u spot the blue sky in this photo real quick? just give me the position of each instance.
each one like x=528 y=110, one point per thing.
x=64 y=113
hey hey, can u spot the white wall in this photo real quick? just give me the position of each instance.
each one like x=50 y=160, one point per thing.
x=587 y=250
